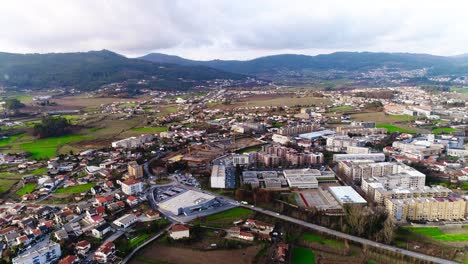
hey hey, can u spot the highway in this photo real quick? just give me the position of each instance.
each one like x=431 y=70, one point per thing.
x=349 y=237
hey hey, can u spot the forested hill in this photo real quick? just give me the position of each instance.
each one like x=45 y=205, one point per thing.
x=90 y=70
x=339 y=61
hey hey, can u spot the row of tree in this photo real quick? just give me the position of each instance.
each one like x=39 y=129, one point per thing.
x=52 y=127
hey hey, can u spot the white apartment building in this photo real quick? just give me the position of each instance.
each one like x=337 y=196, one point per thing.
x=240 y=159
x=44 y=255
x=132 y=187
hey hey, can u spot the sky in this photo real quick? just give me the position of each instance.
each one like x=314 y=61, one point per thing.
x=234 y=29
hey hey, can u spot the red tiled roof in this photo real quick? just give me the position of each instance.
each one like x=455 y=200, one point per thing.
x=83 y=244
x=131 y=182
x=179 y=228
x=68 y=259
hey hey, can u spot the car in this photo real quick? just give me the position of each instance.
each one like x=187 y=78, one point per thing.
x=277 y=214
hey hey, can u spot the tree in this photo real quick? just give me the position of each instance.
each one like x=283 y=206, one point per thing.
x=52 y=127
x=13 y=104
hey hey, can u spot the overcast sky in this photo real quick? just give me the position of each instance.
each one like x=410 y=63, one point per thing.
x=234 y=29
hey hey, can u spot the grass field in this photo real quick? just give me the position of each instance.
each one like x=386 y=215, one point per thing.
x=437 y=234
x=46 y=148
x=342 y=108
x=5 y=184
x=150 y=129
x=6 y=141
x=76 y=189
x=302 y=255
x=250 y=149
x=444 y=130
x=402 y=117
x=392 y=129
x=226 y=218
x=39 y=171
x=319 y=239
x=169 y=109
x=136 y=241
x=28 y=188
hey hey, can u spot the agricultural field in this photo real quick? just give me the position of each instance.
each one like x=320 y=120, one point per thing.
x=226 y=218
x=40 y=171
x=437 y=234
x=28 y=188
x=168 y=109
x=7 y=180
x=149 y=129
x=391 y=129
x=76 y=189
x=322 y=240
x=46 y=148
x=301 y=255
x=443 y=130
x=7 y=141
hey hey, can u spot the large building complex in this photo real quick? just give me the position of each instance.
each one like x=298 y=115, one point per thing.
x=364 y=169
x=132 y=142
x=188 y=202
x=294 y=130
x=264 y=179
x=307 y=178
x=274 y=156
x=360 y=130
x=218 y=176
x=346 y=195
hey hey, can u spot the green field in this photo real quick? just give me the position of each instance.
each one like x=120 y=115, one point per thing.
x=28 y=188
x=285 y=101
x=250 y=149
x=302 y=255
x=76 y=189
x=226 y=218
x=6 y=141
x=459 y=90
x=392 y=129
x=402 y=117
x=342 y=108
x=136 y=241
x=319 y=239
x=5 y=184
x=443 y=130
x=46 y=148
x=150 y=129
x=40 y=171
x=437 y=234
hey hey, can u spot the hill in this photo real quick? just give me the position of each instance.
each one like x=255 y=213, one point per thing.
x=90 y=70
x=338 y=61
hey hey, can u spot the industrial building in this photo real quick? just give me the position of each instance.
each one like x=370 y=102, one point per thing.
x=264 y=179
x=126 y=221
x=346 y=195
x=218 y=176
x=307 y=178
x=188 y=202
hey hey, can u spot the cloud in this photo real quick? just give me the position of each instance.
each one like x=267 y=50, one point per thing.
x=206 y=29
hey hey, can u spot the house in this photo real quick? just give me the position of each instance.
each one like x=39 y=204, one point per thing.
x=105 y=253
x=152 y=214
x=82 y=247
x=281 y=251
x=246 y=236
x=179 y=232
x=101 y=231
x=103 y=200
x=70 y=259
x=132 y=201
x=61 y=234
x=132 y=186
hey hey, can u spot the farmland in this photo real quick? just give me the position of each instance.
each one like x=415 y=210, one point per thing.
x=343 y=108
x=286 y=100
x=76 y=189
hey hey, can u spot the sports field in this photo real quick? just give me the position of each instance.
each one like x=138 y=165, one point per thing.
x=46 y=148
x=76 y=189
x=136 y=241
x=392 y=129
x=437 y=234
x=302 y=255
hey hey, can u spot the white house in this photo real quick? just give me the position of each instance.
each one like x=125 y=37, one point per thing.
x=179 y=232
x=132 y=187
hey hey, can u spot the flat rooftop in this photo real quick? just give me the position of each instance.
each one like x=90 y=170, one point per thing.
x=185 y=199
x=346 y=194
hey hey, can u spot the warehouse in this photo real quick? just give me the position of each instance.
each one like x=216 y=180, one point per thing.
x=346 y=195
x=188 y=203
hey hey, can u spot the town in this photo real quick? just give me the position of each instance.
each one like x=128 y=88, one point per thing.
x=277 y=170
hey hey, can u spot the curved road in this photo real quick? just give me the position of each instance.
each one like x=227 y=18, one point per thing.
x=350 y=237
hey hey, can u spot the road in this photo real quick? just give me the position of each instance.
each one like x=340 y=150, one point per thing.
x=349 y=237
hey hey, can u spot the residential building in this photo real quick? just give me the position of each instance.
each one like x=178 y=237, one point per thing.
x=125 y=221
x=105 y=253
x=132 y=187
x=135 y=171
x=49 y=253
x=427 y=208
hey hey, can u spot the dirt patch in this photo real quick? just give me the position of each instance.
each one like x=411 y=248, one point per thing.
x=175 y=255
